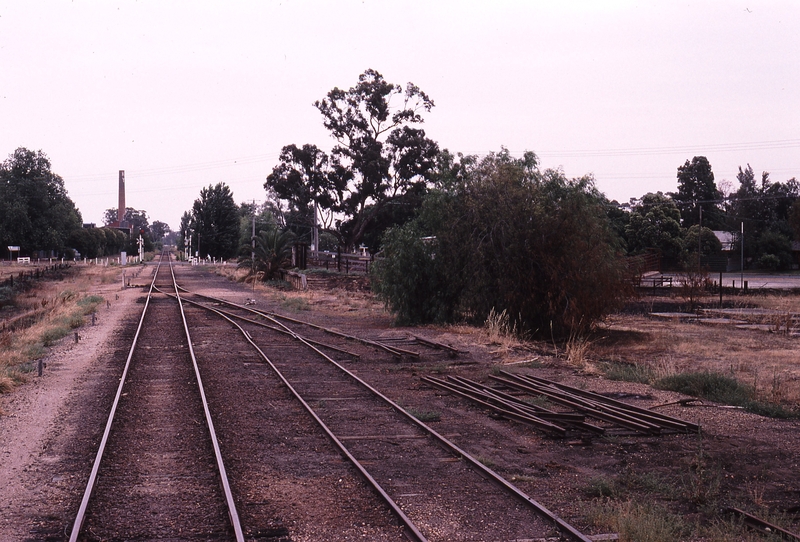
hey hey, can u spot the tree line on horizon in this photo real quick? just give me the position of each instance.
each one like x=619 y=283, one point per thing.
x=462 y=235
x=38 y=216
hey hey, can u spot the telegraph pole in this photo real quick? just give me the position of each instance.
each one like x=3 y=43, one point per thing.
x=741 y=265
x=699 y=238
x=253 y=247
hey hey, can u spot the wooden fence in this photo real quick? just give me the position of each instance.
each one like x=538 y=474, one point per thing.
x=349 y=264
x=33 y=274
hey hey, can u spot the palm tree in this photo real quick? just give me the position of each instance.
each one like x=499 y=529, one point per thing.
x=273 y=251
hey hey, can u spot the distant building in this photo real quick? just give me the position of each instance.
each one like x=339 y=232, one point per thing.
x=728 y=241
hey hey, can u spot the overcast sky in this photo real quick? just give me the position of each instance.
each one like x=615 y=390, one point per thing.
x=185 y=94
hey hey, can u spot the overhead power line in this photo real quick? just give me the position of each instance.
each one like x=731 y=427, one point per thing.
x=682 y=149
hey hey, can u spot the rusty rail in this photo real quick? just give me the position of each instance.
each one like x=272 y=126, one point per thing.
x=232 y=512
x=761 y=525
x=567 y=529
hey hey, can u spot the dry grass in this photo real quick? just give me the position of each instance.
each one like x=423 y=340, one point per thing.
x=334 y=301
x=501 y=334
x=637 y=522
x=61 y=307
x=767 y=361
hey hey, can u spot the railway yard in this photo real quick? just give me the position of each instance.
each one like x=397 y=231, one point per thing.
x=305 y=422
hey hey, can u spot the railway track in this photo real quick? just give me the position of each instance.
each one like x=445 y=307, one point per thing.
x=435 y=489
x=158 y=472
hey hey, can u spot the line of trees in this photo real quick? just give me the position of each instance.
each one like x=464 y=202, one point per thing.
x=36 y=213
x=463 y=236
x=670 y=223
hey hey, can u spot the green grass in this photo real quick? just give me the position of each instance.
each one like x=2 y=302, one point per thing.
x=34 y=350
x=89 y=303
x=722 y=389
x=295 y=304
x=52 y=334
x=487 y=462
x=601 y=486
x=424 y=415
x=281 y=285
x=627 y=372
x=75 y=320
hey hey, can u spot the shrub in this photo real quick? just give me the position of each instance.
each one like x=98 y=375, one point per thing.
x=51 y=335
x=409 y=280
x=6 y=296
x=769 y=261
x=503 y=236
x=89 y=303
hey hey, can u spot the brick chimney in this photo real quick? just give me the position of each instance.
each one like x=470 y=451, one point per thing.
x=121 y=210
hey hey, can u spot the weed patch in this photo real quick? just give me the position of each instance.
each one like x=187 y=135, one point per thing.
x=89 y=303
x=722 y=389
x=281 y=285
x=628 y=372
x=638 y=522
x=487 y=462
x=52 y=334
x=424 y=415
x=295 y=304
x=6 y=383
x=601 y=487
x=34 y=350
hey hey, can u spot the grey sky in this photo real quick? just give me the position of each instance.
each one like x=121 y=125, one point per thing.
x=186 y=94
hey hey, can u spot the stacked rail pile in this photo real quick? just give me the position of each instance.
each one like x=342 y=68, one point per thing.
x=579 y=406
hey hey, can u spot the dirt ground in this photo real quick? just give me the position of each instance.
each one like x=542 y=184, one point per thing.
x=739 y=459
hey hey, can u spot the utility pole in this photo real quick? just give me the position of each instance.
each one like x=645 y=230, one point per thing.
x=699 y=238
x=253 y=247
x=741 y=265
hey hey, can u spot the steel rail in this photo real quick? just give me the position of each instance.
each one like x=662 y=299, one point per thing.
x=267 y=326
x=656 y=417
x=398 y=352
x=537 y=507
x=232 y=513
x=435 y=344
x=597 y=403
x=539 y=423
x=500 y=401
x=587 y=406
x=573 y=419
x=411 y=529
x=79 y=518
x=625 y=421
